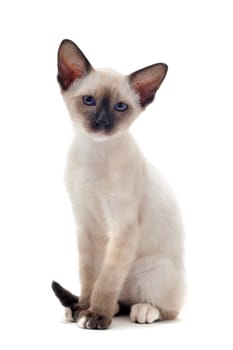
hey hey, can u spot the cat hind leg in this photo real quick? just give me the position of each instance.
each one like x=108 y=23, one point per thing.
x=155 y=289
x=144 y=313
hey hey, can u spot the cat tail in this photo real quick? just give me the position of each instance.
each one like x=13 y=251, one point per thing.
x=66 y=298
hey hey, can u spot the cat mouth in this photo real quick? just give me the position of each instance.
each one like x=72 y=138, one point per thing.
x=101 y=134
x=105 y=126
x=102 y=129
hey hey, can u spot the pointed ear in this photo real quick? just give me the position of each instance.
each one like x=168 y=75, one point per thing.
x=72 y=64
x=145 y=82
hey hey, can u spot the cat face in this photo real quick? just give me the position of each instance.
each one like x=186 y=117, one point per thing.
x=104 y=102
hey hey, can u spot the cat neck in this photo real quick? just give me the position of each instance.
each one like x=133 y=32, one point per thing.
x=106 y=149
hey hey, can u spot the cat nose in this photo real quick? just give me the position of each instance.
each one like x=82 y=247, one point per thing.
x=102 y=120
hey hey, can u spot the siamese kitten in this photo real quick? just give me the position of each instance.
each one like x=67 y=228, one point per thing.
x=130 y=234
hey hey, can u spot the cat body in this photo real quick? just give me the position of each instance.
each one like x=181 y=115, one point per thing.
x=130 y=234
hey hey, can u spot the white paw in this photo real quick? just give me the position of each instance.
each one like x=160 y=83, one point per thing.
x=82 y=322
x=68 y=314
x=144 y=313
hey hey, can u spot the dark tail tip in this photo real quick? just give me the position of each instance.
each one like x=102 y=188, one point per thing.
x=66 y=298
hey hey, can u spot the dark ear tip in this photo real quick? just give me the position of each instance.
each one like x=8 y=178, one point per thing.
x=66 y=42
x=165 y=66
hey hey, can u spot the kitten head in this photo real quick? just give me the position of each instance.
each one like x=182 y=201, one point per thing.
x=104 y=102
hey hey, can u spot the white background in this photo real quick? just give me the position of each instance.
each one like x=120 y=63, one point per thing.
x=186 y=133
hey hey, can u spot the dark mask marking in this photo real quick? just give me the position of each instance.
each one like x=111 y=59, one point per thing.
x=103 y=118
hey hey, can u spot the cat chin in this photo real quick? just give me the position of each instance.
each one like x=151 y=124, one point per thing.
x=97 y=136
x=102 y=137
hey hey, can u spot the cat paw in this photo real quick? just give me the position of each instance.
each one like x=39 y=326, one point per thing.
x=92 y=320
x=144 y=313
x=68 y=315
x=72 y=312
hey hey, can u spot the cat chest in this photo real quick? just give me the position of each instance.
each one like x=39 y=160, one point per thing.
x=105 y=199
x=105 y=193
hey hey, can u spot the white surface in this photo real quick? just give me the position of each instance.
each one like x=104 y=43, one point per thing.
x=187 y=134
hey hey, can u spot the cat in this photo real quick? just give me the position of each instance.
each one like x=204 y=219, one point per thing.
x=129 y=227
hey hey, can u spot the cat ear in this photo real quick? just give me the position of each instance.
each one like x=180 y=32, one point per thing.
x=72 y=64
x=145 y=82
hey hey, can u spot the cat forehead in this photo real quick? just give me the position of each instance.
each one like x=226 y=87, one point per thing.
x=104 y=81
x=105 y=77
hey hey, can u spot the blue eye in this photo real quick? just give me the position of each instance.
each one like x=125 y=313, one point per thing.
x=89 y=100
x=120 y=106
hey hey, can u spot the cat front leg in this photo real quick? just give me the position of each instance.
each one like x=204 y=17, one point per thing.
x=90 y=260
x=87 y=267
x=120 y=253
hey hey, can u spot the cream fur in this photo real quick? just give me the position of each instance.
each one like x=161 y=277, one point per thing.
x=129 y=229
